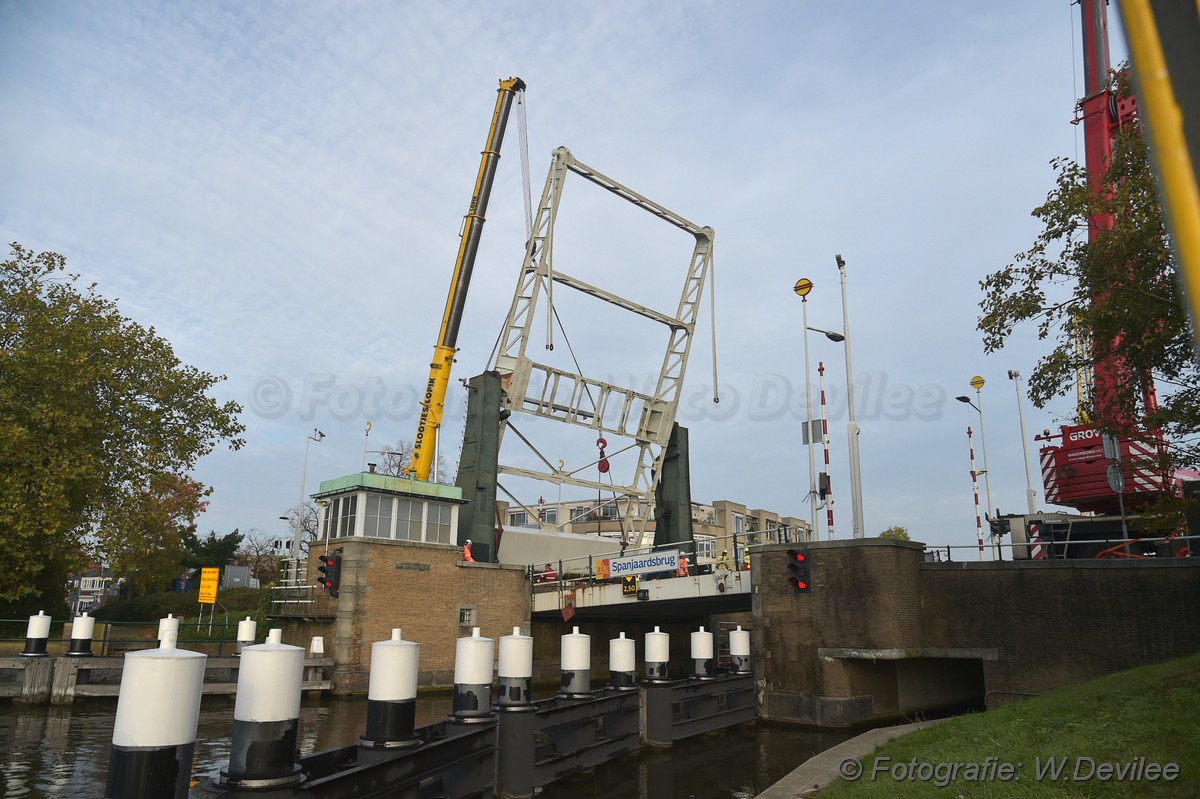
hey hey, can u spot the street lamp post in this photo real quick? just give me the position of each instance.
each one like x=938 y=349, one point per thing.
x=1030 y=493
x=828 y=501
x=316 y=435
x=856 y=505
x=803 y=287
x=977 y=383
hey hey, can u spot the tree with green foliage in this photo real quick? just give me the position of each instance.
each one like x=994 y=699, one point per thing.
x=144 y=533
x=896 y=533
x=212 y=551
x=1115 y=296
x=97 y=418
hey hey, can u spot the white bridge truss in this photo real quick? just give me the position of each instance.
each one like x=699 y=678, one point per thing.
x=643 y=420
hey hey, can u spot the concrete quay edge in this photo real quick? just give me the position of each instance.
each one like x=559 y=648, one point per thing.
x=821 y=770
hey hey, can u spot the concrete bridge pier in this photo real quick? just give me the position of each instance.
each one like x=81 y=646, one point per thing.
x=883 y=634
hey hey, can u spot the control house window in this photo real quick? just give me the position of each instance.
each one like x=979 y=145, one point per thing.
x=439 y=524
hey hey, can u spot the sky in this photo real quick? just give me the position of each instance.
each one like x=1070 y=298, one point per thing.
x=277 y=188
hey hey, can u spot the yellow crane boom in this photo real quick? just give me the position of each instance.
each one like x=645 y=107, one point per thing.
x=434 y=399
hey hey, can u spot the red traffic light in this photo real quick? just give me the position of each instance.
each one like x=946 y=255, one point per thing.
x=327 y=573
x=798 y=571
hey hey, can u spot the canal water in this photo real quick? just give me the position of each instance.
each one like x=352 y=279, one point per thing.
x=56 y=752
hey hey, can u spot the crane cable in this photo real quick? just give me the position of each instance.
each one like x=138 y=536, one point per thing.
x=523 y=135
x=578 y=369
x=712 y=322
x=526 y=191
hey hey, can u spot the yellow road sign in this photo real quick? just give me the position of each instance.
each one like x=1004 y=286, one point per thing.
x=803 y=286
x=208 y=585
x=976 y=382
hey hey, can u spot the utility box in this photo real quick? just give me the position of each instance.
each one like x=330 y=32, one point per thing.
x=235 y=577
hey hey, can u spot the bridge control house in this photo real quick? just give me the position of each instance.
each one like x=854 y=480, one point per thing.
x=400 y=566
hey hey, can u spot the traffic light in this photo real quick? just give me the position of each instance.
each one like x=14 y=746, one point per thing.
x=329 y=573
x=998 y=527
x=798 y=571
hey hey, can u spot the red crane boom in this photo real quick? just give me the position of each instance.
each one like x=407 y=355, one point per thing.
x=1074 y=470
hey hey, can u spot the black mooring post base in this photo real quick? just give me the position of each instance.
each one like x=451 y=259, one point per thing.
x=683 y=708
x=457 y=761
x=140 y=773
x=564 y=736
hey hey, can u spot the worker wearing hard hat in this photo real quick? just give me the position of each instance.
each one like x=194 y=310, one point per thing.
x=723 y=562
x=467 y=552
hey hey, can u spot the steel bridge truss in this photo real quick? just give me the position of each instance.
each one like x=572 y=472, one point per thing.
x=554 y=393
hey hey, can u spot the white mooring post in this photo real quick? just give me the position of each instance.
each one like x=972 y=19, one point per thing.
x=702 y=655
x=246 y=632
x=392 y=694
x=266 y=716
x=82 y=630
x=622 y=664
x=168 y=631
x=658 y=655
x=37 y=633
x=473 y=657
x=739 y=650
x=576 y=664
x=516 y=670
x=154 y=732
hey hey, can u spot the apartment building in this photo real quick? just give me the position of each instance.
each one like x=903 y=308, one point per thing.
x=723 y=525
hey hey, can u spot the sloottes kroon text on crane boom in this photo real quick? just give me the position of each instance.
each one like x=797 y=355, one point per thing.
x=434 y=399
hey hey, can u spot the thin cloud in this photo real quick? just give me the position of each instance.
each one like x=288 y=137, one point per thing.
x=278 y=188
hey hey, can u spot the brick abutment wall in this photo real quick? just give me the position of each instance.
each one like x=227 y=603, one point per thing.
x=424 y=589
x=883 y=634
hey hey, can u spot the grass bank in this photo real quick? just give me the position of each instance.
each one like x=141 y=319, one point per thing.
x=1122 y=735
x=238 y=602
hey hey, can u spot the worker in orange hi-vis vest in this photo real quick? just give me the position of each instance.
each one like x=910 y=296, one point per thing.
x=682 y=571
x=467 y=552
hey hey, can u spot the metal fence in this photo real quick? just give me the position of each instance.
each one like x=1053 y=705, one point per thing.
x=118 y=637
x=301 y=600
x=1147 y=548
